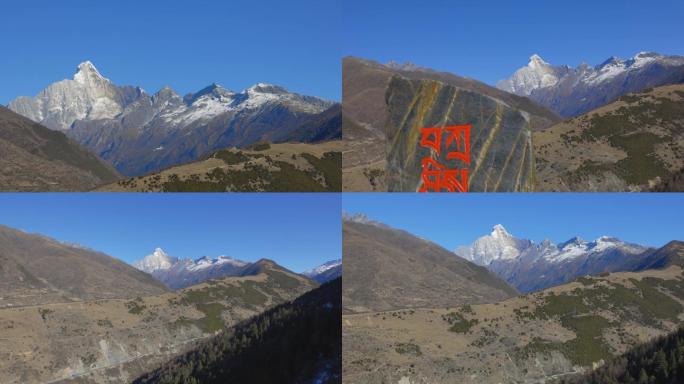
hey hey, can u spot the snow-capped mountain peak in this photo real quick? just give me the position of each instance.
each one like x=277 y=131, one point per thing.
x=87 y=73
x=158 y=260
x=325 y=272
x=498 y=245
x=322 y=268
x=573 y=242
x=613 y=60
x=536 y=62
x=498 y=231
x=88 y=95
x=537 y=74
x=165 y=94
x=207 y=262
x=265 y=88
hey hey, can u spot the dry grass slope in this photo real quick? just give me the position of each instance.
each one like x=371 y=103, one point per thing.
x=286 y=167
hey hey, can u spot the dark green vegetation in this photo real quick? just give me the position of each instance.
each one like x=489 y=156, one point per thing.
x=458 y=323
x=660 y=361
x=673 y=183
x=330 y=165
x=135 y=307
x=408 y=349
x=295 y=342
x=649 y=301
x=260 y=147
x=219 y=296
x=231 y=158
x=623 y=130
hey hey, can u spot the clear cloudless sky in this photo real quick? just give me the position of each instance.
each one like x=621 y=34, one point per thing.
x=458 y=219
x=183 y=44
x=299 y=231
x=489 y=39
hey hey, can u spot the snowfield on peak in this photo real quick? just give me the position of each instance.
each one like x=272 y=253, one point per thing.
x=206 y=262
x=537 y=74
x=325 y=272
x=323 y=267
x=499 y=244
x=155 y=261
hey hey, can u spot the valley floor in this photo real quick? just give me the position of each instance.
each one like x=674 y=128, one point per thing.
x=527 y=339
x=116 y=340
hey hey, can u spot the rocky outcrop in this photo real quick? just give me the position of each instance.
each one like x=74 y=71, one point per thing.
x=375 y=97
x=501 y=156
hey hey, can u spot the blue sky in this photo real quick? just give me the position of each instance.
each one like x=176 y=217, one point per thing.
x=299 y=231
x=457 y=219
x=184 y=44
x=488 y=40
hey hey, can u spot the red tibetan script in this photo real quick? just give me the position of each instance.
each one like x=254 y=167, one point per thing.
x=437 y=177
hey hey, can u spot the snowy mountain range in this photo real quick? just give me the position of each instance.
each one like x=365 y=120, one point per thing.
x=572 y=91
x=530 y=267
x=179 y=273
x=325 y=272
x=138 y=132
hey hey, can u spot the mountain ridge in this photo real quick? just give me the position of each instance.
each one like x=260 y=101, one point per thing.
x=530 y=266
x=178 y=273
x=387 y=268
x=36 y=158
x=573 y=91
x=139 y=133
x=40 y=270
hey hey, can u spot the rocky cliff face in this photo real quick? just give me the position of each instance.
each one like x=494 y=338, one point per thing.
x=88 y=96
x=501 y=137
x=376 y=97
